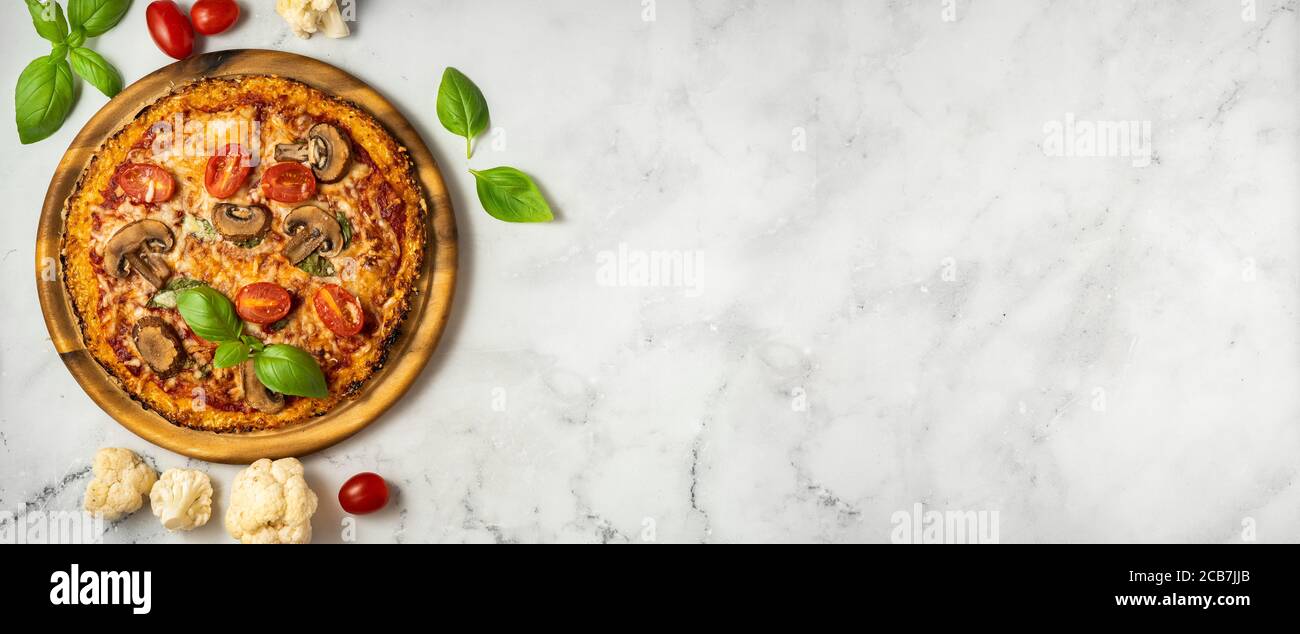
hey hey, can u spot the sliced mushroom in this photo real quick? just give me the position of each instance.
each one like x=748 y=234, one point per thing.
x=311 y=229
x=159 y=346
x=128 y=249
x=325 y=150
x=262 y=399
x=238 y=223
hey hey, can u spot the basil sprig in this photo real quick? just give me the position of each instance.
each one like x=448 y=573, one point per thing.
x=461 y=107
x=280 y=367
x=506 y=193
x=511 y=195
x=44 y=95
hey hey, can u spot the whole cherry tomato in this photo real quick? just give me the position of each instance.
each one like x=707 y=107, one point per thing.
x=263 y=303
x=227 y=171
x=170 y=29
x=213 y=16
x=363 y=493
x=145 y=182
x=288 y=182
x=339 y=310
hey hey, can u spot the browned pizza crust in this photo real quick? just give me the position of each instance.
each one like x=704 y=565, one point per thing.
x=379 y=196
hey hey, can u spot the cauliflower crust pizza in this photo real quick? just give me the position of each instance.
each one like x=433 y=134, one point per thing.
x=304 y=214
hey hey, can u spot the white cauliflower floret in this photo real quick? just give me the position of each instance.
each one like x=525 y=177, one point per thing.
x=182 y=499
x=121 y=480
x=309 y=16
x=270 y=503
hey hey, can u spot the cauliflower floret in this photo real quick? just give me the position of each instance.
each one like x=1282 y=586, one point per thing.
x=309 y=16
x=270 y=503
x=182 y=499
x=121 y=480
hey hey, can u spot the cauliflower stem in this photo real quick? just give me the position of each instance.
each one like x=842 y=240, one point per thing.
x=182 y=499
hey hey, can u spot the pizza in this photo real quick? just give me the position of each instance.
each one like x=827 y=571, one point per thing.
x=292 y=207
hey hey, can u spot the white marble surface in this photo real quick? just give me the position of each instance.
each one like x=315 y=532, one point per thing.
x=918 y=304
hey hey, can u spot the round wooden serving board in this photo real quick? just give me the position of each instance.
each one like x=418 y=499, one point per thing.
x=420 y=333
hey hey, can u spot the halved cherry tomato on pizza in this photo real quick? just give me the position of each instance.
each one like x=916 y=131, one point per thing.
x=263 y=303
x=145 y=182
x=227 y=171
x=339 y=310
x=288 y=182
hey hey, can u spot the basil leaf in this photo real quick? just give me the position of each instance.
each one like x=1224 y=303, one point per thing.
x=209 y=314
x=317 y=265
x=346 y=226
x=43 y=98
x=96 y=70
x=200 y=228
x=511 y=195
x=48 y=20
x=249 y=243
x=278 y=326
x=76 y=37
x=289 y=370
x=230 y=354
x=253 y=342
x=167 y=297
x=96 y=16
x=182 y=283
x=461 y=107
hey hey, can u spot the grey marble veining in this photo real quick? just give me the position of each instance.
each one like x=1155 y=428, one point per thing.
x=816 y=262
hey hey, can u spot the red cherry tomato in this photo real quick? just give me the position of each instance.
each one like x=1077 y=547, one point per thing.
x=339 y=310
x=288 y=182
x=227 y=171
x=145 y=182
x=170 y=29
x=213 y=16
x=363 y=493
x=263 y=303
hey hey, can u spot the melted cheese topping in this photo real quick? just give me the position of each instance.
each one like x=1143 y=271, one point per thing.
x=378 y=196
